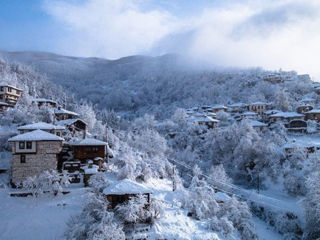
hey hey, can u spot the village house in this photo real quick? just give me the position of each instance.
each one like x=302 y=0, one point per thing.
x=207 y=121
x=91 y=149
x=258 y=107
x=33 y=152
x=63 y=114
x=273 y=78
x=249 y=115
x=285 y=117
x=314 y=114
x=47 y=127
x=308 y=101
x=217 y=108
x=75 y=126
x=4 y=106
x=266 y=115
x=9 y=94
x=121 y=191
x=257 y=125
x=45 y=102
x=297 y=126
x=304 y=108
x=237 y=108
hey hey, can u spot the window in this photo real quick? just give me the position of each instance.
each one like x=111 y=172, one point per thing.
x=29 y=145
x=22 y=158
x=9 y=89
x=21 y=145
x=58 y=134
x=1 y=89
x=95 y=149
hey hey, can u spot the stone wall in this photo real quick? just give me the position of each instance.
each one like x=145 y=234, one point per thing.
x=44 y=159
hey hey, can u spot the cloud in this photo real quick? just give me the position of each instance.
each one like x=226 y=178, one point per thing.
x=268 y=33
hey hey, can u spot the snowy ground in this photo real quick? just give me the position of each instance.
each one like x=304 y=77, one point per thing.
x=44 y=218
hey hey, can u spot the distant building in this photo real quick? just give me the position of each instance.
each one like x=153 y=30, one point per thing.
x=237 y=107
x=47 y=127
x=258 y=125
x=33 y=152
x=273 y=78
x=285 y=117
x=45 y=102
x=207 y=121
x=304 y=108
x=258 y=107
x=217 y=108
x=297 y=126
x=63 y=114
x=308 y=101
x=249 y=115
x=9 y=94
x=313 y=114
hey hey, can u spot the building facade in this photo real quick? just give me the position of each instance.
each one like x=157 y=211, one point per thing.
x=9 y=94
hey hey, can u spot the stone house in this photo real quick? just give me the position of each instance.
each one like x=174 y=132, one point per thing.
x=207 y=121
x=9 y=94
x=33 y=153
x=47 y=127
x=258 y=107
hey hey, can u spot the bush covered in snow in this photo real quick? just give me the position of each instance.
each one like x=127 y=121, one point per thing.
x=95 y=222
x=47 y=182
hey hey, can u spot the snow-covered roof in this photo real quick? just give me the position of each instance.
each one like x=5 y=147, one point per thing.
x=218 y=106
x=255 y=123
x=211 y=114
x=126 y=186
x=68 y=122
x=36 y=135
x=258 y=103
x=8 y=85
x=94 y=169
x=4 y=104
x=236 y=105
x=42 y=126
x=88 y=142
x=287 y=114
x=307 y=99
x=205 y=119
x=64 y=111
x=273 y=111
x=249 y=113
x=314 y=111
x=43 y=100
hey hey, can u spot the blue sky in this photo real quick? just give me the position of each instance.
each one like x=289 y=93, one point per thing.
x=242 y=33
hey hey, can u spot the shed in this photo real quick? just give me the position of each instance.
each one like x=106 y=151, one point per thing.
x=121 y=191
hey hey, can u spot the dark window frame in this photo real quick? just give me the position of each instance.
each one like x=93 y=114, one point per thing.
x=22 y=145
x=28 y=145
x=22 y=158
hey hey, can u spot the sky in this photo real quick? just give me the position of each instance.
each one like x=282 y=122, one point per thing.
x=272 y=34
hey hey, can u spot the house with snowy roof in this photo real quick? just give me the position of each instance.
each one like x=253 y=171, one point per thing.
x=206 y=121
x=249 y=115
x=308 y=100
x=75 y=126
x=47 y=127
x=45 y=102
x=304 y=108
x=9 y=94
x=313 y=114
x=91 y=149
x=32 y=153
x=258 y=107
x=63 y=114
x=217 y=108
x=121 y=191
x=4 y=106
x=237 y=107
x=258 y=125
x=285 y=117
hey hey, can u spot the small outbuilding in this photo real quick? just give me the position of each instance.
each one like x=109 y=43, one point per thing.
x=121 y=191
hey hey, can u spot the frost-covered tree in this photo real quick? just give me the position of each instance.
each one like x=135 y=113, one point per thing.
x=47 y=182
